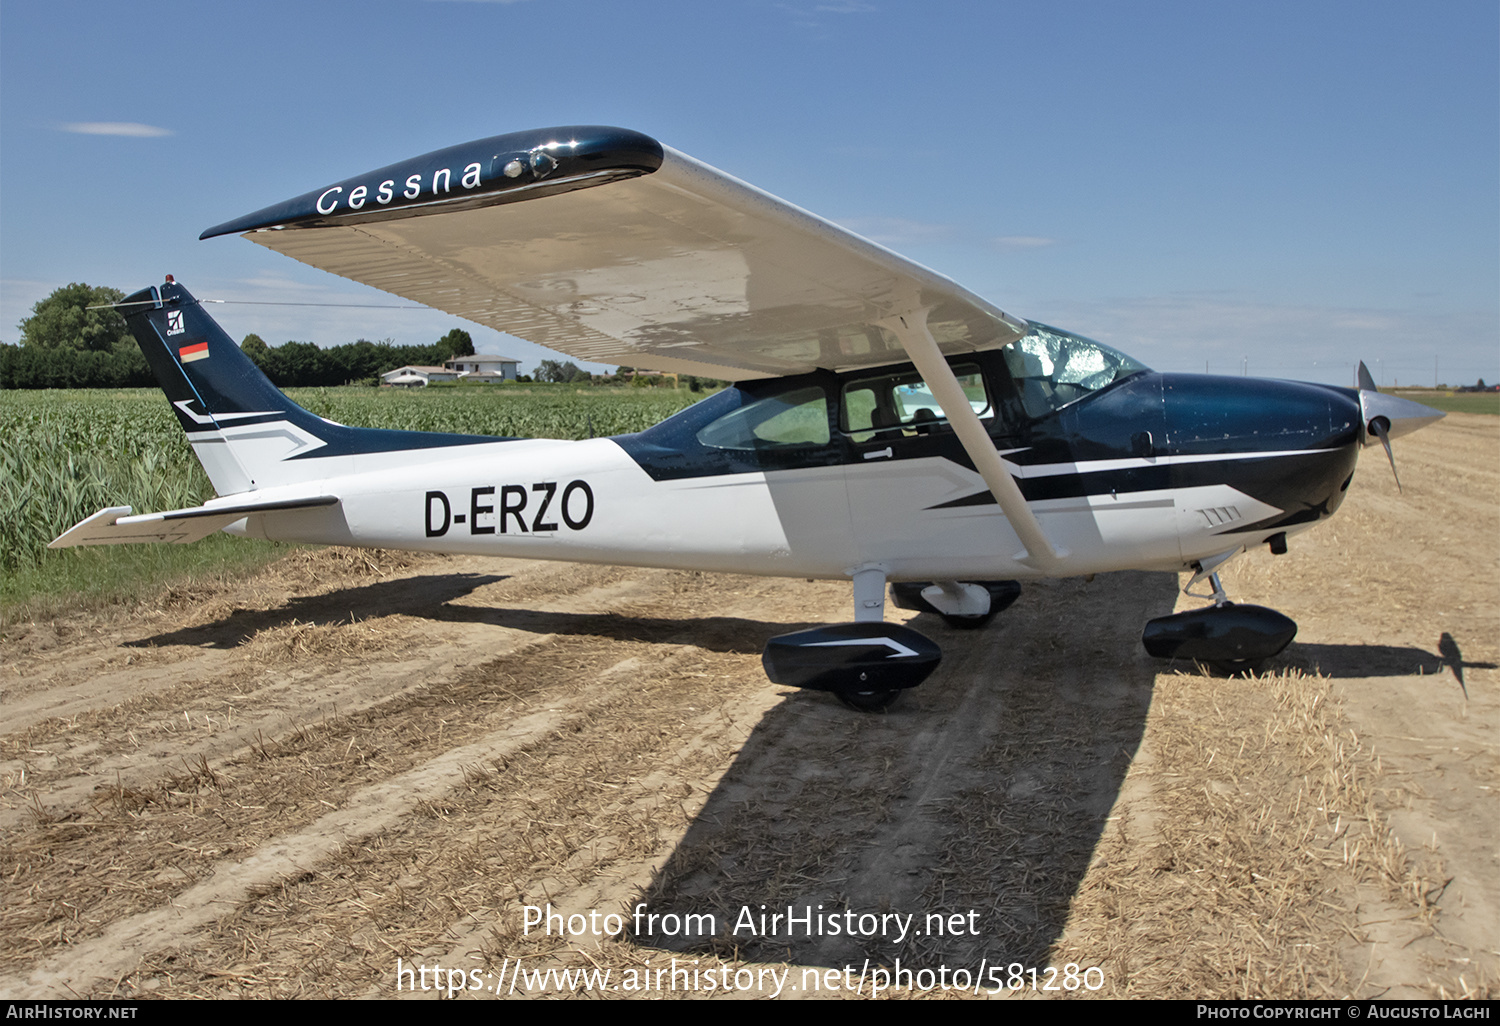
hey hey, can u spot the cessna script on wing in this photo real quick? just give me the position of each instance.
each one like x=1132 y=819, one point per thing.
x=385 y=192
x=575 y=508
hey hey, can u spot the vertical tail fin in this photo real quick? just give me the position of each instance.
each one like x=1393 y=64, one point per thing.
x=244 y=431
x=219 y=395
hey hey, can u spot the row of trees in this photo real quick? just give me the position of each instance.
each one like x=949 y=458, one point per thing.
x=66 y=344
x=561 y=373
x=302 y=363
x=75 y=339
x=31 y=367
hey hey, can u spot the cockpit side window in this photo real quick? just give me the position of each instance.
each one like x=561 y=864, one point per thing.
x=786 y=420
x=902 y=404
x=1052 y=369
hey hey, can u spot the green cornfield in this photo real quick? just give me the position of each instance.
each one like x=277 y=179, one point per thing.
x=64 y=455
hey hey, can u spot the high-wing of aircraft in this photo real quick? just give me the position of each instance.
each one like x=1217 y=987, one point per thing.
x=885 y=425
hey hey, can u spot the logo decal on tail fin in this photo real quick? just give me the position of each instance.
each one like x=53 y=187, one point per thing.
x=174 y=322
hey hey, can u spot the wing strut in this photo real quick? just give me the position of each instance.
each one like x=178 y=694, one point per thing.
x=916 y=337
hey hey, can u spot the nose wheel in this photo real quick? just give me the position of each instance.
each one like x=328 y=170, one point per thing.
x=1226 y=637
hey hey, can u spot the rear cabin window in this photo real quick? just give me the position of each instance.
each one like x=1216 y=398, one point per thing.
x=787 y=420
x=902 y=404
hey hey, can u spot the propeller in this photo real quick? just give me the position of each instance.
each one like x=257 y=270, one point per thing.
x=1377 y=424
x=1388 y=416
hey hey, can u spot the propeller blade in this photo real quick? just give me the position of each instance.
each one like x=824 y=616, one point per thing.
x=1378 y=426
x=1388 y=415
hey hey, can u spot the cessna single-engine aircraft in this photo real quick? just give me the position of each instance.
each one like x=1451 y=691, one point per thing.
x=885 y=424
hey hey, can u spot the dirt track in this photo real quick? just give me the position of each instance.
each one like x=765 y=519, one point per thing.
x=283 y=787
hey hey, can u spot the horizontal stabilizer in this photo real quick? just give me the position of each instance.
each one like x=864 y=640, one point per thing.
x=113 y=526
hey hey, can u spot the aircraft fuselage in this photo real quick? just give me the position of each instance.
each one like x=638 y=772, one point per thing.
x=1151 y=471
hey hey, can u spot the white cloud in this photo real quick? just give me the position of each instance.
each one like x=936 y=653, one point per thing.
x=807 y=16
x=895 y=231
x=130 y=128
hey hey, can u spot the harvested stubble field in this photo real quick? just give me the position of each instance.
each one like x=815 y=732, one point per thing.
x=280 y=787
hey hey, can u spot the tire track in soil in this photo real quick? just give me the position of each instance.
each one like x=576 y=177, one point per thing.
x=185 y=831
x=128 y=744
x=636 y=736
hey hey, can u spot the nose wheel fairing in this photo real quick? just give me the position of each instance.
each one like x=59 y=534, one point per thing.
x=1227 y=637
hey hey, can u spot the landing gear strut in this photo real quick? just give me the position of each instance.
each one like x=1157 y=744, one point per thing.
x=1228 y=638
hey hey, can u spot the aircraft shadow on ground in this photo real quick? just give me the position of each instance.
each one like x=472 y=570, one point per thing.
x=982 y=796
x=713 y=633
x=1343 y=661
x=416 y=596
x=430 y=597
x=978 y=801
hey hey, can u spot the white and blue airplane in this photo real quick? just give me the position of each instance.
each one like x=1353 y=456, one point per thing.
x=884 y=425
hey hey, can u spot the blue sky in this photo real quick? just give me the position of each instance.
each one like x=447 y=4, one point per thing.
x=1288 y=187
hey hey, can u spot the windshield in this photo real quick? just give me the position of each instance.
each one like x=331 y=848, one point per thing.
x=1053 y=368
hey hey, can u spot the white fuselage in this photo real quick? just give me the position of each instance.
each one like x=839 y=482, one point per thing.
x=588 y=501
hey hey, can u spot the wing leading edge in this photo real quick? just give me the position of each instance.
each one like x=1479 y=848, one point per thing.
x=605 y=245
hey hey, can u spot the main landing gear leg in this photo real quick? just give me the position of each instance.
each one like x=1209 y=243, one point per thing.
x=869 y=595
x=867 y=663
x=1228 y=638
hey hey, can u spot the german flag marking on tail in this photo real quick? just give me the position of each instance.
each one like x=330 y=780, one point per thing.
x=187 y=354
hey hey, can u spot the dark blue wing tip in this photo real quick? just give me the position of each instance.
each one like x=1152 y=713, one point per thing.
x=520 y=164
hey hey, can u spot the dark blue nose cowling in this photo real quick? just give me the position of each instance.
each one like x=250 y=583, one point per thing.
x=1310 y=435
